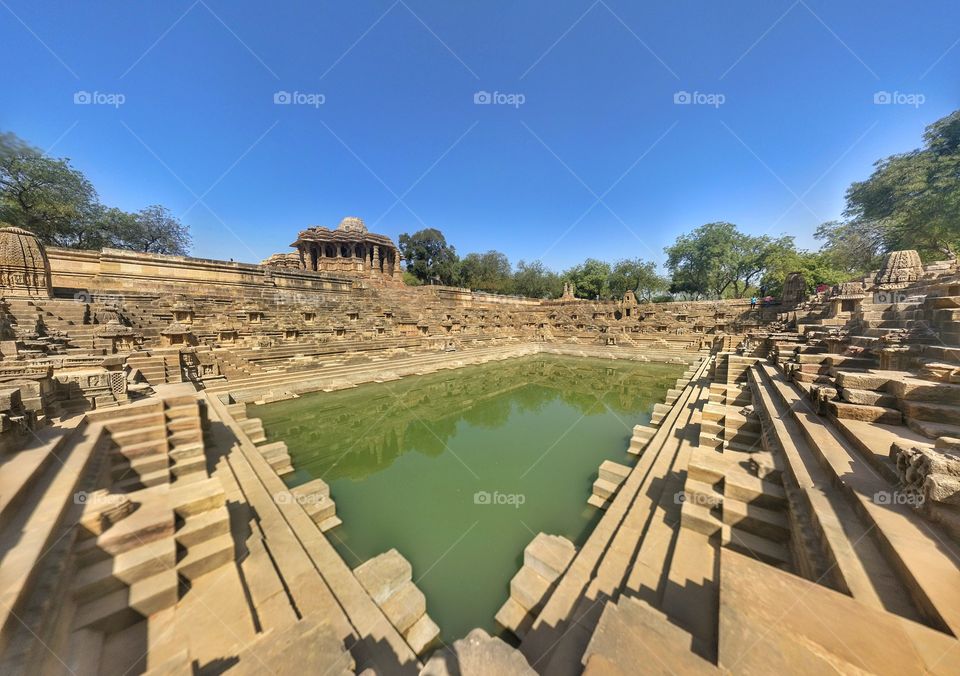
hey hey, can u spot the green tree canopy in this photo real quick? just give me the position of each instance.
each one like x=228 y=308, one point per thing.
x=488 y=271
x=591 y=279
x=429 y=258
x=56 y=202
x=912 y=200
x=717 y=260
x=636 y=275
x=534 y=280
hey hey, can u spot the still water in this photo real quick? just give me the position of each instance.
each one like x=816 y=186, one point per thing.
x=459 y=470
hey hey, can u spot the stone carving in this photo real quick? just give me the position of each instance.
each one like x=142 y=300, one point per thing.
x=899 y=269
x=24 y=267
x=350 y=249
x=794 y=288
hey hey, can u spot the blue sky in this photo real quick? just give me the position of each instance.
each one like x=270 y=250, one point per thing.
x=584 y=152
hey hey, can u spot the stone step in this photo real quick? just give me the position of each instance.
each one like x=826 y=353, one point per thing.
x=751 y=544
x=31 y=528
x=128 y=605
x=604 y=489
x=206 y=556
x=631 y=633
x=828 y=632
x=877 y=414
x=122 y=570
x=924 y=410
x=613 y=472
x=924 y=561
x=752 y=490
x=767 y=523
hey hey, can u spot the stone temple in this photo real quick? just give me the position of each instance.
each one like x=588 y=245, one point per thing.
x=793 y=506
x=349 y=249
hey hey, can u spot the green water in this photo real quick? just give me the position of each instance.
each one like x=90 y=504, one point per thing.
x=459 y=470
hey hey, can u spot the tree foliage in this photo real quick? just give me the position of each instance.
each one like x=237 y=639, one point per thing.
x=912 y=200
x=58 y=203
x=636 y=275
x=590 y=279
x=488 y=271
x=717 y=260
x=429 y=258
x=534 y=280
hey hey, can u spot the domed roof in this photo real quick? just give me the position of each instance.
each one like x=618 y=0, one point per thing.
x=352 y=224
x=24 y=268
x=20 y=248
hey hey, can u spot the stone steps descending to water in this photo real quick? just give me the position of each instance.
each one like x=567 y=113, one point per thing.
x=602 y=565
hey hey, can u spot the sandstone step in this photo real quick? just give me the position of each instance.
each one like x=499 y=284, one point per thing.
x=877 y=414
x=752 y=490
x=604 y=489
x=826 y=632
x=206 y=556
x=549 y=555
x=764 y=549
x=478 y=653
x=124 y=607
x=204 y=526
x=529 y=588
x=923 y=561
x=514 y=617
x=631 y=633
x=124 y=569
x=613 y=472
x=923 y=410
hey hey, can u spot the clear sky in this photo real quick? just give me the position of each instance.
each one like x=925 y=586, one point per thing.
x=578 y=149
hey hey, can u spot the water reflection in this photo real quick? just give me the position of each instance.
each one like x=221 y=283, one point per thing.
x=353 y=433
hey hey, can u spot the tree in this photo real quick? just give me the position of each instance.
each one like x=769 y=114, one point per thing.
x=815 y=266
x=912 y=200
x=701 y=261
x=718 y=260
x=488 y=271
x=854 y=247
x=429 y=258
x=636 y=275
x=534 y=280
x=156 y=230
x=591 y=279
x=47 y=196
x=57 y=203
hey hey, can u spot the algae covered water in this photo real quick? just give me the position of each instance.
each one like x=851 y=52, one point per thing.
x=459 y=470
